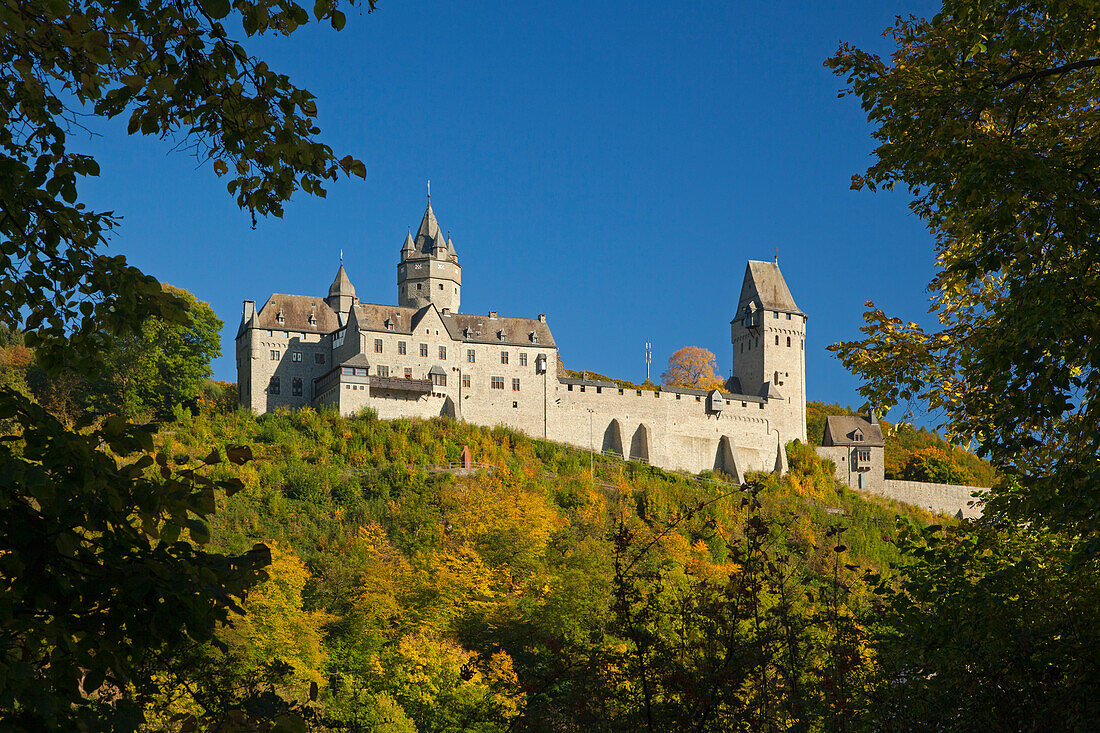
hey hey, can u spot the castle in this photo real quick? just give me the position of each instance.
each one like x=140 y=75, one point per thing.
x=423 y=358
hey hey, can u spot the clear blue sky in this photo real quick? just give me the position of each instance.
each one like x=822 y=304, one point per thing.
x=610 y=164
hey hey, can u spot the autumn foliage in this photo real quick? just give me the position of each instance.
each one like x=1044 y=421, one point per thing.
x=692 y=367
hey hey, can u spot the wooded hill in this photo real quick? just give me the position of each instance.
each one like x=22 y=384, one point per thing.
x=508 y=596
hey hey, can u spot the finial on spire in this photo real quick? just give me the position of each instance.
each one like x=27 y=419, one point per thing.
x=777 y=255
x=341 y=256
x=429 y=190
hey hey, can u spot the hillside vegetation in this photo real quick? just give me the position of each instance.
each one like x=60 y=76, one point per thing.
x=500 y=598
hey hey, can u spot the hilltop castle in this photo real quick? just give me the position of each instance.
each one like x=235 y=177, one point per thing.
x=423 y=358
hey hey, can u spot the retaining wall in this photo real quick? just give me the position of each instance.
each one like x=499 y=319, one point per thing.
x=943 y=498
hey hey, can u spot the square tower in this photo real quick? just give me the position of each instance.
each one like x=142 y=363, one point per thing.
x=769 y=345
x=429 y=271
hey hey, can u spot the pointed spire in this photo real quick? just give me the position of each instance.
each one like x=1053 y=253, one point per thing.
x=341 y=285
x=407 y=248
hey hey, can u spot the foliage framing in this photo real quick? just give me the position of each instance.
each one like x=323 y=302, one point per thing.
x=987 y=113
x=98 y=588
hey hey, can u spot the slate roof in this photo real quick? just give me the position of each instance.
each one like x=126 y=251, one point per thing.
x=840 y=428
x=296 y=310
x=465 y=327
x=342 y=284
x=429 y=237
x=764 y=284
x=356 y=360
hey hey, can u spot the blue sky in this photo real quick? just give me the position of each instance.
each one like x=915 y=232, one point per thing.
x=612 y=165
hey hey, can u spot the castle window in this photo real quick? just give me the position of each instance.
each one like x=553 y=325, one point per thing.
x=296 y=356
x=296 y=387
x=569 y=387
x=515 y=385
x=677 y=395
x=775 y=378
x=418 y=286
x=638 y=392
x=777 y=340
x=776 y=314
x=497 y=382
x=466 y=381
x=470 y=356
x=440 y=286
x=273 y=387
x=442 y=352
x=270 y=333
x=408 y=373
x=788 y=342
x=423 y=350
x=383 y=371
x=274 y=355
x=788 y=316
x=401 y=348
x=742 y=347
x=761 y=405
x=439 y=380
x=378 y=346
x=504 y=357
x=582 y=388
x=599 y=390
x=515 y=404
x=523 y=359
x=620 y=391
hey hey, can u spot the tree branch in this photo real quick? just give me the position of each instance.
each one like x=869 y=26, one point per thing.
x=1035 y=75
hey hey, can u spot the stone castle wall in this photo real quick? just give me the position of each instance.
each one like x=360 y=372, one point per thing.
x=942 y=498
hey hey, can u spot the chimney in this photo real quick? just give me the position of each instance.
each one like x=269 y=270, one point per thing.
x=492 y=314
x=249 y=311
x=874 y=417
x=542 y=318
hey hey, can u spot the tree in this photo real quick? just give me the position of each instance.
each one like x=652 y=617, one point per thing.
x=162 y=365
x=987 y=114
x=692 y=367
x=102 y=576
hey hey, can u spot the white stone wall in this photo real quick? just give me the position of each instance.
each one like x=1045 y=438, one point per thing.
x=774 y=351
x=942 y=498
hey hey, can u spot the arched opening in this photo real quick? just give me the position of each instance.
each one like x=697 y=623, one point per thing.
x=613 y=438
x=639 y=444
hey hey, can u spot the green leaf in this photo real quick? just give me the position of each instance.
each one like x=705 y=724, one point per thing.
x=216 y=9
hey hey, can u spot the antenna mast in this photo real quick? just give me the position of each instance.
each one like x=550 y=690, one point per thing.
x=648 y=357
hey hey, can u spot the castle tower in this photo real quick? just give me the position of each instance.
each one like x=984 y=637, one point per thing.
x=769 y=346
x=341 y=294
x=429 y=271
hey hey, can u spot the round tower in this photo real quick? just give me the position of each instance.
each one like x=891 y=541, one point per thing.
x=341 y=294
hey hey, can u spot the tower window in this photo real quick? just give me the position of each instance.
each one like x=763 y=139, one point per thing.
x=401 y=348
x=423 y=349
x=442 y=352
x=504 y=357
x=788 y=316
x=418 y=286
x=523 y=359
x=788 y=342
x=440 y=286
x=777 y=340
x=776 y=314
x=466 y=381
x=274 y=355
x=378 y=346
x=470 y=355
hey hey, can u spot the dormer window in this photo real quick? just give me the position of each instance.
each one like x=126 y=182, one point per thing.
x=858 y=436
x=500 y=335
x=279 y=316
x=388 y=324
x=466 y=332
x=534 y=337
x=313 y=319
